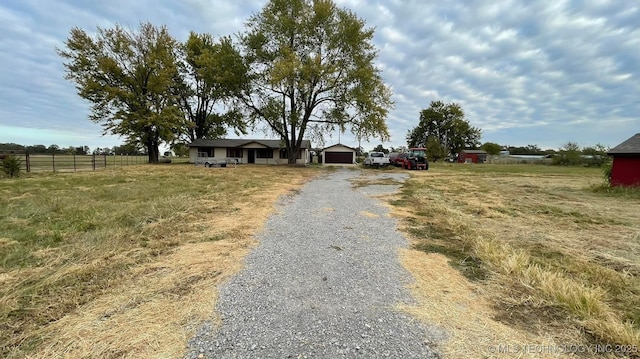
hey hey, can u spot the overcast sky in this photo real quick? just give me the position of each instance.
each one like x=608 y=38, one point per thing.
x=525 y=72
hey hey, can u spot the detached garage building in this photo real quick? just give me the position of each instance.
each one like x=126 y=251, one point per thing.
x=339 y=154
x=625 y=170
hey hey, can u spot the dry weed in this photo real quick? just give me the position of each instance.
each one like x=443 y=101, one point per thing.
x=559 y=256
x=135 y=270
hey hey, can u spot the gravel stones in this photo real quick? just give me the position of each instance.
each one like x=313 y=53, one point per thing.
x=323 y=283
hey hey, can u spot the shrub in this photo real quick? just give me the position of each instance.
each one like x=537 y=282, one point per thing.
x=606 y=170
x=11 y=166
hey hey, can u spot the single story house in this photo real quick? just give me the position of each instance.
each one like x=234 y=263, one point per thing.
x=266 y=152
x=472 y=156
x=625 y=170
x=338 y=154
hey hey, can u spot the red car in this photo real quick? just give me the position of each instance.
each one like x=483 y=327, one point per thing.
x=397 y=159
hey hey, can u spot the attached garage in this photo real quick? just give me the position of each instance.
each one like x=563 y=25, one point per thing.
x=625 y=169
x=339 y=154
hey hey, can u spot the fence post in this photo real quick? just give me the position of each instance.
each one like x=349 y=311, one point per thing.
x=105 y=161
x=28 y=162
x=74 y=163
x=93 y=161
x=53 y=161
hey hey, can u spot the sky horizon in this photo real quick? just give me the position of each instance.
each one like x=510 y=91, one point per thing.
x=525 y=72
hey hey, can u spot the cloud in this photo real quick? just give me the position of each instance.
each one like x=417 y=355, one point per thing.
x=525 y=72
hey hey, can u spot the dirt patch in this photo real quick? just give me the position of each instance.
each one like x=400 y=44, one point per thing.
x=151 y=314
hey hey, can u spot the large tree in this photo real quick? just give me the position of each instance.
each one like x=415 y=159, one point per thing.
x=434 y=149
x=311 y=71
x=212 y=72
x=129 y=78
x=491 y=148
x=446 y=124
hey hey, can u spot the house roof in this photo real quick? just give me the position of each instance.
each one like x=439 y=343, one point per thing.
x=479 y=152
x=339 y=144
x=225 y=142
x=630 y=146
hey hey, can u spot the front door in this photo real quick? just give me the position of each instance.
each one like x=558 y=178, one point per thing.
x=252 y=156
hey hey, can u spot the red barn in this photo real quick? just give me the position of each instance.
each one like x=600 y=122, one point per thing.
x=626 y=162
x=473 y=156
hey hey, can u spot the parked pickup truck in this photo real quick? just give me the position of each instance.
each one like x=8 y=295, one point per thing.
x=376 y=159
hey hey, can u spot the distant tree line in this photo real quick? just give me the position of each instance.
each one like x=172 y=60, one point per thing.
x=444 y=132
x=570 y=154
x=54 y=149
x=124 y=149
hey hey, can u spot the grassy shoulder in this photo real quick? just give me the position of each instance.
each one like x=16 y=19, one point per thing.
x=124 y=262
x=557 y=255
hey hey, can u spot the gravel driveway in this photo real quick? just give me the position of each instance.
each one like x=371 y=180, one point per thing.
x=323 y=283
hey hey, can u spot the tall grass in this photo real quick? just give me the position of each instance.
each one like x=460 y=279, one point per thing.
x=542 y=235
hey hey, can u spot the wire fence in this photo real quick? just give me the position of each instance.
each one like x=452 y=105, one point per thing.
x=50 y=162
x=506 y=160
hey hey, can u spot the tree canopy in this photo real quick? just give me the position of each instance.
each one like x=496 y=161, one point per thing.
x=129 y=79
x=311 y=71
x=491 y=148
x=444 y=125
x=212 y=73
x=380 y=148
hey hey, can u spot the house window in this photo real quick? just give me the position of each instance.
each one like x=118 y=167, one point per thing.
x=284 y=153
x=264 y=153
x=234 y=152
x=205 y=152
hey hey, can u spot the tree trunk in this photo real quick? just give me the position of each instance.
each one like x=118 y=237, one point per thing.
x=152 y=144
x=293 y=154
x=201 y=124
x=154 y=153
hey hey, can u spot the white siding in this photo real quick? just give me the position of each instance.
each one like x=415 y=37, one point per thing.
x=220 y=153
x=193 y=154
x=338 y=148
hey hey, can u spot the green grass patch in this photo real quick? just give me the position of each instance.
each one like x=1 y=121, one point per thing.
x=617 y=191
x=528 y=170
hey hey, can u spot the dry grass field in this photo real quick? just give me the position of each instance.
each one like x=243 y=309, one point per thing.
x=524 y=260
x=123 y=263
